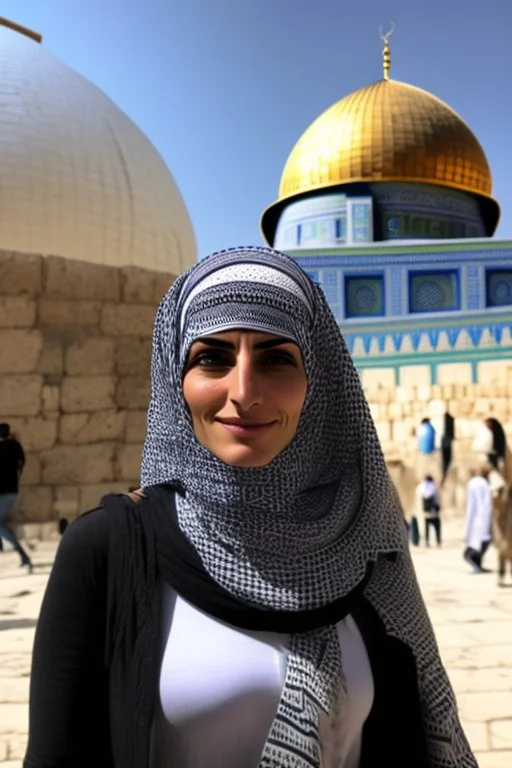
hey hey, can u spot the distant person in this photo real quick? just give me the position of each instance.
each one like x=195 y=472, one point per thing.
x=499 y=442
x=447 y=445
x=431 y=506
x=12 y=461
x=501 y=523
x=426 y=437
x=478 y=519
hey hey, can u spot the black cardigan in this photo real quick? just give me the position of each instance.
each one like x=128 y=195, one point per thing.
x=96 y=653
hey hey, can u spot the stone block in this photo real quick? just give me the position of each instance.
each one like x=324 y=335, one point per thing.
x=91 y=494
x=17 y=311
x=481 y=407
x=395 y=411
x=128 y=320
x=20 y=395
x=83 y=428
x=136 y=426
x=404 y=394
x=66 y=502
x=385 y=395
x=375 y=410
x=133 y=392
x=35 y=504
x=137 y=285
x=383 y=430
x=454 y=373
x=21 y=273
x=19 y=350
x=459 y=391
x=81 y=280
x=87 y=393
x=67 y=464
x=51 y=359
x=92 y=356
x=50 y=399
x=161 y=285
x=498 y=407
x=376 y=378
x=32 y=469
x=128 y=462
x=132 y=356
x=61 y=313
x=459 y=407
x=423 y=394
x=436 y=408
x=400 y=432
x=36 y=433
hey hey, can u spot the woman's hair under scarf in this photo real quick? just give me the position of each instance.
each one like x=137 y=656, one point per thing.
x=300 y=532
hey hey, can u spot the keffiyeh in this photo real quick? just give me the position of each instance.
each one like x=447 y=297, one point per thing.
x=300 y=532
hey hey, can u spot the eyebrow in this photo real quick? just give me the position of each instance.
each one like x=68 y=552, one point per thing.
x=212 y=341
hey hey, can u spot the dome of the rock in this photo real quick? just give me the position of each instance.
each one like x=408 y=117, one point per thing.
x=78 y=179
x=388 y=131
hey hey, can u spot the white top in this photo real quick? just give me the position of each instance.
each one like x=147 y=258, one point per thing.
x=479 y=513
x=428 y=489
x=220 y=688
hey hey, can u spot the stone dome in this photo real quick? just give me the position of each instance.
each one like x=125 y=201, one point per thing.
x=386 y=131
x=78 y=179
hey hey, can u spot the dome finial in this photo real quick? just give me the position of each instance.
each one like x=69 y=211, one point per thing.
x=386 y=54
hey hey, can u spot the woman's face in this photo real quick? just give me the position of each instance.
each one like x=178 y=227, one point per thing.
x=245 y=391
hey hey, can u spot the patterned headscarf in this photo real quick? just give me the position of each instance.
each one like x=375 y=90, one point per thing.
x=298 y=533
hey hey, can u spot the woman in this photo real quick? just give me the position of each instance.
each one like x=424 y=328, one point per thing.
x=255 y=606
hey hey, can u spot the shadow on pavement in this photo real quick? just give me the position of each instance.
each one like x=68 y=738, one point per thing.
x=17 y=624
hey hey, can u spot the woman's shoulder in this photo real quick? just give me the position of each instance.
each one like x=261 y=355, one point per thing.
x=93 y=526
x=93 y=529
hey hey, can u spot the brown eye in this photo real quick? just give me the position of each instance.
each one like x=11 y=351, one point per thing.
x=210 y=358
x=279 y=357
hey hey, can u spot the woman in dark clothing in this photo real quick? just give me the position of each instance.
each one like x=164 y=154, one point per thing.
x=499 y=442
x=255 y=605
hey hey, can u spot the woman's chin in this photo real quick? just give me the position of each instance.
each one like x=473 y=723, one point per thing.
x=245 y=456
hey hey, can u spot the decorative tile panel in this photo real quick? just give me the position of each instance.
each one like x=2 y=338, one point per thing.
x=435 y=291
x=364 y=296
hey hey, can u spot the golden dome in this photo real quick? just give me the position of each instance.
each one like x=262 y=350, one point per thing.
x=387 y=131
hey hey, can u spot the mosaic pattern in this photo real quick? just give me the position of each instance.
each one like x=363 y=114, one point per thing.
x=468 y=337
x=434 y=291
x=364 y=296
x=498 y=287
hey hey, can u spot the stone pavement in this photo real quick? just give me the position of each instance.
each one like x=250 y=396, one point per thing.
x=471 y=615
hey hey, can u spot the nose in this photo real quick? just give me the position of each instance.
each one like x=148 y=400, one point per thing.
x=245 y=385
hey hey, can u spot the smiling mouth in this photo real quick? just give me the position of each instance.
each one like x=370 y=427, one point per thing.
x=245 y=427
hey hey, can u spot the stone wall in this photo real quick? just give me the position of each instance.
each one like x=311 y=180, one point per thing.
x=75 y=344
x=398 y=410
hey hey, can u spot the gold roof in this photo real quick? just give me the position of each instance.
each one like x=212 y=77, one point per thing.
x=386 y=131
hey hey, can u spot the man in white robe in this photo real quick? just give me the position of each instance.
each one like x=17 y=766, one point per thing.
x=478 y=519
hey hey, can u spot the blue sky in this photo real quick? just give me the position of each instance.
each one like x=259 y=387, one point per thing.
x=224 y=88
